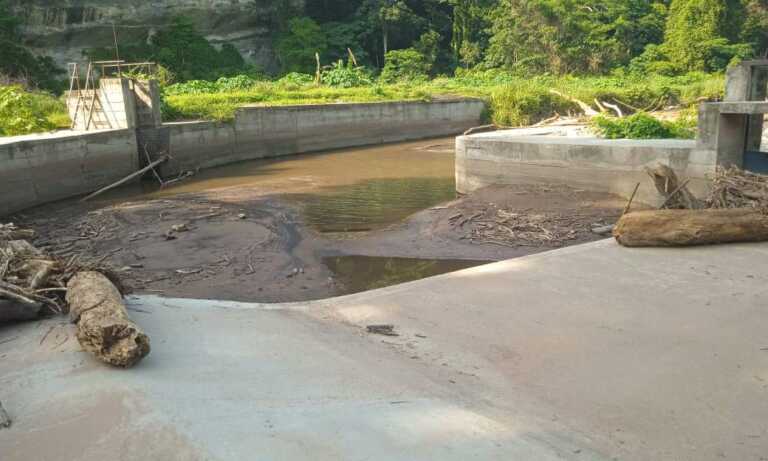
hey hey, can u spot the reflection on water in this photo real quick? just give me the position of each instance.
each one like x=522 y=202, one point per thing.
x=372 y=204
x=347 y=190
x=361 y=273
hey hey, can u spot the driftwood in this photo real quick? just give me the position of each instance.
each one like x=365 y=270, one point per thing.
x=735 y=188
x=11 y=232
x=126 y=179
x=481 y=129
x=24 y=272
x=691 y=227
x=104 y=329
x=588 y=111
x=675 y=193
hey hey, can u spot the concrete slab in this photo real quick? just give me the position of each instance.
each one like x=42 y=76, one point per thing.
x=590 y=352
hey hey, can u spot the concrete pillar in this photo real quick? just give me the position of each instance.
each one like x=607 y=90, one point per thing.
x=147 y=94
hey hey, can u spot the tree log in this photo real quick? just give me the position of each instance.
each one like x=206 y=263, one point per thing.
x=104 y=328
x=691 y=227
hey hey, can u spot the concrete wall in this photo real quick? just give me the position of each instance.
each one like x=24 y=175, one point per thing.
x=261 y=132
x=44 y=168
x=614 y=166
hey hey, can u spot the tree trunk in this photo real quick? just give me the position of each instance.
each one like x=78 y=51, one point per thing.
x=104 y=328
x=691 y=227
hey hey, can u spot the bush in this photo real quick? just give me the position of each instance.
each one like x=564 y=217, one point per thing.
x=22 y=112
x=405 y=65
x=522 y=105
x=342 y=75
x=237 y=83
x=642 y=126
x=296 y=78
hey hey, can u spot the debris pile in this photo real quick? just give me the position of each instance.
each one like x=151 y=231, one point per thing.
x=736 y=188
x=736 y=210
x=34 y=284
x=503 y=227
x=31 y=283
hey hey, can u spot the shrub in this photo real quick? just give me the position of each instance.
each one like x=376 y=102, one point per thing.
x=22 y=112
x=642 y=126
x=296 y=78
x=405 y=65
x=525 y=104
x=342 y=75
x=237 y=83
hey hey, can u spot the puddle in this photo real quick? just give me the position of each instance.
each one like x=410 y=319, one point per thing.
x=373 y=204
x=362 y=273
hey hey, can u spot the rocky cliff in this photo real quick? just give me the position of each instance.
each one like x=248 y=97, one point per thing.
x=63 y=28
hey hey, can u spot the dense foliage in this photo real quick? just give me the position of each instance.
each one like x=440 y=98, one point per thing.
x=540 y=36
x=183 y=51
x=639 y=54
x=23 y=112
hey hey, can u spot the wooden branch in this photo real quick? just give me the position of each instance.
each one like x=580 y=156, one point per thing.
x=631 y=199
x=126 y=179
x=588 y=111
x=615 y=108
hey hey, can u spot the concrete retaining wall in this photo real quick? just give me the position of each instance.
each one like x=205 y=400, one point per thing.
x=261 y=132
x=614 y=166
x=44 y=168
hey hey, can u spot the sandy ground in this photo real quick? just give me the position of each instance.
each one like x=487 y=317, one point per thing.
x=258 y=248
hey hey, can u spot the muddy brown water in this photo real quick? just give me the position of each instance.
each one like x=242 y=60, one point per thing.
x=340 y=194
x=362 y=273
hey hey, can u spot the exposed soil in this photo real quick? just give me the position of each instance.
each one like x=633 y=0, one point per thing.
x=256 y=248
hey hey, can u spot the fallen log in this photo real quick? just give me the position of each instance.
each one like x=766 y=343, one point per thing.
x=103 y=326
x=131 y=176
x=691 y=227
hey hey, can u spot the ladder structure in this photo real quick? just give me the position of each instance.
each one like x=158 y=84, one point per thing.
x=88 y=105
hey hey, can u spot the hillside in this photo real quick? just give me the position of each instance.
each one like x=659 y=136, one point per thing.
x=63 y=28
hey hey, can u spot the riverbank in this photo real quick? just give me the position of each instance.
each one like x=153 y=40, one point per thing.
x=315 y=226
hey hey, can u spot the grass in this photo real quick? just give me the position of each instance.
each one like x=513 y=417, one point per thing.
x=512 y=100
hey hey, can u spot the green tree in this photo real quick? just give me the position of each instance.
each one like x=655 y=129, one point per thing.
x=296 y=48
x=565 y=36
x=18 y=63
x=405 y=65
x=700 y=34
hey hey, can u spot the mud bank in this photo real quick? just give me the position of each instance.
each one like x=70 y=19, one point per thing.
x=316 y=226
x=263 y=250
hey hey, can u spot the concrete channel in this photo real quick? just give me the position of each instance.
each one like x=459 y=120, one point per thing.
x=38 y=169
x=593 y=352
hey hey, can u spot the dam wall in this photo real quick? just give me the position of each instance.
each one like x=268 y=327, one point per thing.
x=42 y=168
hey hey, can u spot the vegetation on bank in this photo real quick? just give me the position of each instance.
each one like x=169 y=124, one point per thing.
x=638 y=55
x=24 y=112
x=512 y=100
